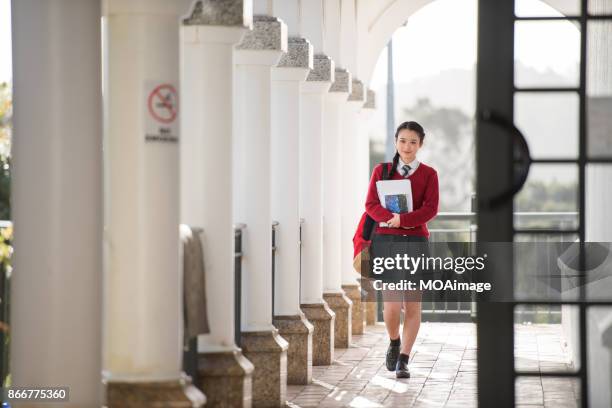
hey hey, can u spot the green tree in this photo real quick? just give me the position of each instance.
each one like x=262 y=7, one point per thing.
x=540 y=196
x=6 y=110
x=6 y=234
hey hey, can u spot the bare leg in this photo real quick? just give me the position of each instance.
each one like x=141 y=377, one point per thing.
x=412 y=322
x=391 y=315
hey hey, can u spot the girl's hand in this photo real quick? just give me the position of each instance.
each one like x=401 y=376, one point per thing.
x=394 y=222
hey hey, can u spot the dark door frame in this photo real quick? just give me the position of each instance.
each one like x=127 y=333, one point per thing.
x=495 y=76
x=496 y=158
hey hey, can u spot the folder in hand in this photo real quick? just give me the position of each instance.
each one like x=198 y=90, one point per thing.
x=395 y=196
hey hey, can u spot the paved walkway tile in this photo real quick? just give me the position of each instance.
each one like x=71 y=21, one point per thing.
x=443 y=371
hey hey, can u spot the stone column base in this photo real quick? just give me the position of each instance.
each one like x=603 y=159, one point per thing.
x=371 y=313
x=353 y=292
x=179 y=393
x=341 y=305
x=267 y=350
x=322 y=318
x=297 y=330
x=226 y=378
x=368 y=298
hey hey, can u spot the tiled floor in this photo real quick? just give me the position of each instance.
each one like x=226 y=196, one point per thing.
x=443 y=371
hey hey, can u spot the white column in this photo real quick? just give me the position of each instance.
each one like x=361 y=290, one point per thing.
x=291 y=71
x=311 y=22
x=348 y=35
x=289 y=12
x=331 y=31
x=311 y=160
x=259 y=51
x=254 y=59
x=351 y=201
x=143 y=319
x=312 y=124
x=366 y=113
x=208 y=37
x=57 y=198
x=332 y=181
x=206 y=157
x=262 y=7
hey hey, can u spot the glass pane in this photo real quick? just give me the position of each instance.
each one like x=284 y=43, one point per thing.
x=546 y=338
x=598 y=202
x=599 y=355
x=537 y=115
x=548 y=392
x=599 y=89
x=552 y=8
x=546 y=54
x=600 y=6
x=539 y=270
x=549 y=198
x=598 y=231
x=518 y=237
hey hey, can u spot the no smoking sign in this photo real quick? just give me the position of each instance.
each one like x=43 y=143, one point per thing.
x=161 y=112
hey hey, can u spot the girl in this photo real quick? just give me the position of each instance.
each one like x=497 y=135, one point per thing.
x=409 y=227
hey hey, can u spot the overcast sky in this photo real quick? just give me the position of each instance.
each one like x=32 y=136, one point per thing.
x=442 y=36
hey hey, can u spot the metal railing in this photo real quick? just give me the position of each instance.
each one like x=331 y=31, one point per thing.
x=446 y=306
x=274 y=227
x=447 y=227
x=461 y=227
x=300 y=246
x=238 y=228
x=238 y=232
x=238 y=253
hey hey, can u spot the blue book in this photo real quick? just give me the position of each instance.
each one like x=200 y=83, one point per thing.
x=395 y=196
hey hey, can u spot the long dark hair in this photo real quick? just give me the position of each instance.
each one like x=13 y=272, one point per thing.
x=411 y=125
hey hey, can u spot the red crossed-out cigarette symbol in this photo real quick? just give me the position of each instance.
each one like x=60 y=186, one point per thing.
x=162 y=103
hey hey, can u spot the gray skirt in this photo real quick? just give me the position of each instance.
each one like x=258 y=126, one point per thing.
x=399 y=248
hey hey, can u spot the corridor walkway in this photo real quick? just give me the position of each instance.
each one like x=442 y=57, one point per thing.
x=443 y=371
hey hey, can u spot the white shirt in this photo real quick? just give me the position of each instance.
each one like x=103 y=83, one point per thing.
x=413 y=166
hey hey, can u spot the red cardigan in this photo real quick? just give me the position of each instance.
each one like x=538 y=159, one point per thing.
x=424 y=184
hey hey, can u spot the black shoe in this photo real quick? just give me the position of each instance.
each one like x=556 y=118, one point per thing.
x=401 y=369
x=392 y=354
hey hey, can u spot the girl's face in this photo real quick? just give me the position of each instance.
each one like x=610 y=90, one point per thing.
x=408 y=144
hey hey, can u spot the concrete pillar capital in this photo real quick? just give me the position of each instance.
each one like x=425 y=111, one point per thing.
x=323 y=69
x=342 y=82
x=268 y=33
x=230 y=13
x=295 y=64
x=370 y=102
x=357 y=92
x=299 y=54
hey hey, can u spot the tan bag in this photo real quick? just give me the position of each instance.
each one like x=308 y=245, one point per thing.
x=362 y=262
